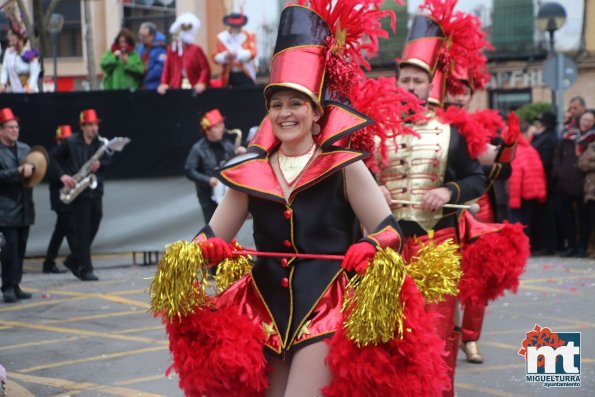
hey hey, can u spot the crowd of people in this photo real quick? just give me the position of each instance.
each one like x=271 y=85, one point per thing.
x=154 y=63
x=324 y=212
x=550 y=185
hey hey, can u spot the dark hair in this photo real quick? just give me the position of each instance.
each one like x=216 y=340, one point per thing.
x=150 y=26
x=579 y=99
x=128 y=36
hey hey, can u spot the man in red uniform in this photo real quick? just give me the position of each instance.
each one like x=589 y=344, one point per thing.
x=186 y=65
x=236 y=52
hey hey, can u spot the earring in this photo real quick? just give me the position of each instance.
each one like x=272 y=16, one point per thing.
x=315 y=129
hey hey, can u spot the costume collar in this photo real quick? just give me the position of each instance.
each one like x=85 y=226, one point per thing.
x=253 y=174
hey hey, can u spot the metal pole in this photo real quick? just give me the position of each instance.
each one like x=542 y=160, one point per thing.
x=560 y=108
x=55 y=56
x=553 y=54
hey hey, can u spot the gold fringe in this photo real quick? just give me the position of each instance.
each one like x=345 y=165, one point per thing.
x=175 y=290
x=372 y=306
x=231 y=270
x=437 y=269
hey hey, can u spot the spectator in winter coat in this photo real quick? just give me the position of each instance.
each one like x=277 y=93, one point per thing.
x=152 y=50
x=586 y=163
x=576 y=107
x=121 y=64
x=526 y=184
x=543 y=238
x=571 y=209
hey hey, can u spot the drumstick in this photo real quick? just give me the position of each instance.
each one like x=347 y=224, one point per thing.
x=247 y=251
x=473 y=208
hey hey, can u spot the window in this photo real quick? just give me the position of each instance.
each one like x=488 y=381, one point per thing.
x=70 y=40
x=391 y=47
x=513 y=26
x=508 y=100
x=161 y=12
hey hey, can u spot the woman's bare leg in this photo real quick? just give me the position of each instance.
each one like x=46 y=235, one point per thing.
x=308 y=373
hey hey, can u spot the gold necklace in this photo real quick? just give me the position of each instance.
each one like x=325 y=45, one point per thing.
x=292 y=166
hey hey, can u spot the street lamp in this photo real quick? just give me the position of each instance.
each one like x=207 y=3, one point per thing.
x=551 y=17
x=55 y=27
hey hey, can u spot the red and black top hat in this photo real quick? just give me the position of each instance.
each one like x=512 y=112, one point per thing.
x=7 y=115
x=63 y=132
x=235 y=19
x=89 y=116
x=211 y=118
x=299 y=62
x=320 y=52
x=423 y=45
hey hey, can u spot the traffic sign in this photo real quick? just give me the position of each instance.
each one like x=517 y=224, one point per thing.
x=550 y=72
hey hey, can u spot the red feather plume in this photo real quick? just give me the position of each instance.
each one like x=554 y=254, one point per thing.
x=513 y=129
x=392 y=108
x=218 y=353
x=465 y=42
x=493 y=264
x=355 y=28
x=411 y=366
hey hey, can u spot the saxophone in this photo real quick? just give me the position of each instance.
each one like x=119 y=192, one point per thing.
x=83 y=178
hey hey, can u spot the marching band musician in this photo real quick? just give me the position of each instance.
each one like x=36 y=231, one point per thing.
x=62 y=212
x=67 y=159
x=433 y=169
x=17 y=212
x=210 y=152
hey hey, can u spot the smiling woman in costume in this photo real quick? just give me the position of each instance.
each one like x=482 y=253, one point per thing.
x=280 y=328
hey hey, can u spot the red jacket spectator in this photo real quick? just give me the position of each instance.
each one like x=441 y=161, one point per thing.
x=527 y=181
x=193 y=61
x=185 y=60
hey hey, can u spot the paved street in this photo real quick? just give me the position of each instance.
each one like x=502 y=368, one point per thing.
x=96 y=339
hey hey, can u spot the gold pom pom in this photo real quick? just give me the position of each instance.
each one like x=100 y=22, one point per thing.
x=373 y=306
x=436 y=269
x=175 y=290
x=231 y=270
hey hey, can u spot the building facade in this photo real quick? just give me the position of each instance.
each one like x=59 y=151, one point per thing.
x=107 y=18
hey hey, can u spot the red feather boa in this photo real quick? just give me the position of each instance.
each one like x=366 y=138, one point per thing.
x=475 y=134
x=490 y=120
x=218 y=353
x=411 y=366
x=492 y=264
